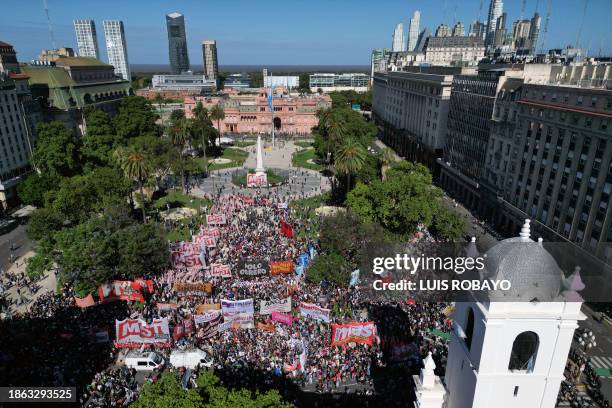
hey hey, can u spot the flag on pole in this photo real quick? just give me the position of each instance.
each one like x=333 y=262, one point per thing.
x=270 y=104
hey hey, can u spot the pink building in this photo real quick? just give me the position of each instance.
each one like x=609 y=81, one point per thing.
x=250 y=113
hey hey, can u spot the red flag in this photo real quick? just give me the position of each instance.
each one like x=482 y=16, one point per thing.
x=84 y=302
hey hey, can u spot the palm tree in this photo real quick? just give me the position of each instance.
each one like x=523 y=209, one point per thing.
x=181 y=135
x=386 y=158
x=350 y=158
x=201 y=117
x=333 y=128
x=217 y=113
x=135 y=166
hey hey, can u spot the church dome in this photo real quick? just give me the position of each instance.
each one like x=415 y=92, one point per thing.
x=531 y=269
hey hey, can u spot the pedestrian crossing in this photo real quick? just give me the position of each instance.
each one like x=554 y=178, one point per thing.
x=602 y=366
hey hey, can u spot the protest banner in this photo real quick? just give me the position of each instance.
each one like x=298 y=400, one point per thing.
x=178 y=332
x=145 y=284
x=241 y=321
x=299 y=270
x=286 y=229
x=207 y=324
x=234 y=307
x=204 y=307
x=204 y=240
x=266 y=326
x=354 y=278
x=84 y=302
x=222 y=271
x=257 y=180
x=267 y=306
x=215 y=219
x=252 y=268
x=182 y=259
x=355 y=332
x=314 y=311
x=224 y=326
x=120 y=290
x=282 y=318
x=164 y=307
x=285 y=267
x=131 y=332
x=193 y=288
x=207 y=317
x=304 y=260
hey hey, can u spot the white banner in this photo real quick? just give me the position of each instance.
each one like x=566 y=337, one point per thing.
x=138 y=331
x=233 y=307
x=314 y=311
x=206 y=317
x=241 y=320
x=215 y=219
x=267 y=307
x=218 y=270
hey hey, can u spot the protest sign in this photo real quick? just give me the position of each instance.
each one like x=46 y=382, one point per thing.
x=252 y=268
x=282 y=318
x=284 y=267
x=314 y=311
x=267 y=306
x=356 y=332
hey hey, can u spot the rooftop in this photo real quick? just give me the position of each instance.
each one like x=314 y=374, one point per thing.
x=80 y=62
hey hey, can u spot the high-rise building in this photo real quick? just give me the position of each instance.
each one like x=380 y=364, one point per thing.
x=500 y=31
x=520 y=33
x=209 y=53
x=495 y=11
x=177 y=43
x=87 y=39
x=413 y=30
x=398 y=38
x=378 y=60
x=458 y=29
x=477 y=29
x=423 y=36
x=443 y=31
x=534 y=32
x=116 y=48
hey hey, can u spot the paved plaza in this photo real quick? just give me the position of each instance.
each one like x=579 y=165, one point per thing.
x=300 y=182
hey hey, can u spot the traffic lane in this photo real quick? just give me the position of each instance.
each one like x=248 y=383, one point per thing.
x=20 y=242
x=603 y=338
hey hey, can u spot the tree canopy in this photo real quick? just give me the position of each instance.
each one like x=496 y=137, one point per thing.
x=57 y=150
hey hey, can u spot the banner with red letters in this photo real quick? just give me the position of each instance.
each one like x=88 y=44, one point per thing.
x=207 y=324
x=257 y=180
x=222 y=271
x=355 y=332
x=130 y=332
x=215 y=219
x=314 y=311
x=205 y=240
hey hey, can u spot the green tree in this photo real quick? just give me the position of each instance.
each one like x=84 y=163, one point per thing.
x=330 y=267
x=160 y=101
x=135 y=118
x=57 y=150
x=386 y=158
x=447 y=224
x=100 y=138
x=217 y=113
x=181 y=136
x=350 y=159
x=35 y=186
x=203 y=126
x=135 y=166
x=167 y=392
x=176 y=116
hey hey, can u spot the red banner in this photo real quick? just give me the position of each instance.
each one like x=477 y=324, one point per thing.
x=120 y=290
x=286 y=229
x=356 y=332
x=266 y=327
x=132 y=331
x=282 y=318
x=145 y=283
x=84 y=302
x=276 y=268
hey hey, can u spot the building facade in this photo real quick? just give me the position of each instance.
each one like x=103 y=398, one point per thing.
x=293 y=115
x=495 y=11
x=285 y=81
x=116 y=48
x=328 y=82
x=70 y=84
x=87 y=39
x=443 y=31
x=190 y=84
x=413 y=31
x=456 y=51
x=209 y=55
x=378 y=61
x=411 y=108
x=398 y=39
x=177 y=43
x=237 y=81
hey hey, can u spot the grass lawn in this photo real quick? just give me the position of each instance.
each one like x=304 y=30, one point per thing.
x=176 y=198
x=245 y=143
x=304 y=144
x=301 y=157
x=236 y=156
x=305 y=210
x=183 y=231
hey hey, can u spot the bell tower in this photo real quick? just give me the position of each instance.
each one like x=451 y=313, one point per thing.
x=511 y=352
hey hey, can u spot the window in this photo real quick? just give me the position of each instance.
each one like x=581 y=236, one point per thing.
x=524 y=352
x=516 y=388
x=142 y=363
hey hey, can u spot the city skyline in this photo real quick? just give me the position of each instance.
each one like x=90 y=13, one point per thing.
x=287 y=38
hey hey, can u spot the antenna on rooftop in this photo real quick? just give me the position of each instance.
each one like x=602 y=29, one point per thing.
x=46 y=7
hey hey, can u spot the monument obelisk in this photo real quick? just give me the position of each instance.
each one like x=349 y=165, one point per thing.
x=259 y=170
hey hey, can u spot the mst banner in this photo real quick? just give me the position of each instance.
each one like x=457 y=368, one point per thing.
x=314 y=311
x=120 y=290
x=218 y=270
x=135 y=333
x=234 y=307
x=215 y=219
x=356 y=332
x=251 y=268
x=267 y=306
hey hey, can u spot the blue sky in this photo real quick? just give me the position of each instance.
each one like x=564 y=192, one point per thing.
x=289 y=32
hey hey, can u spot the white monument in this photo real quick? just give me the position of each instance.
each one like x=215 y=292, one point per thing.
x=509 y=350
x=259 y=170
x=429 y=389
